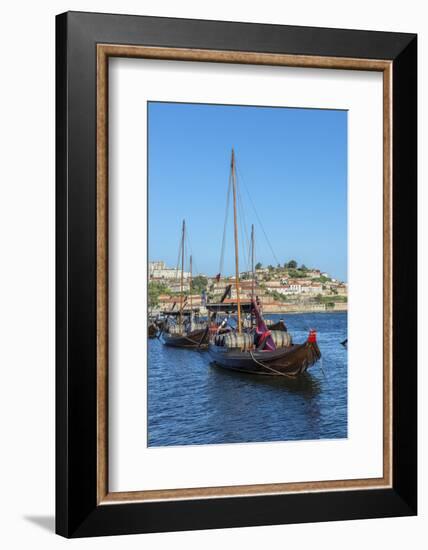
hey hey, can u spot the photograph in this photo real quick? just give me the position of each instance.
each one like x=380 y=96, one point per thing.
x=247 y=291
x=212 y=275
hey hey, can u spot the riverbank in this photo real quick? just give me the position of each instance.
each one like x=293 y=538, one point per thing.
x=309 y=308
x=286 y=309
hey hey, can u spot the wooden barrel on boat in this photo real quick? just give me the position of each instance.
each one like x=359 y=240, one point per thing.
x=219 y=339
x=199 y=326
x=233 y=340
x=174 y=329
x=281 y=339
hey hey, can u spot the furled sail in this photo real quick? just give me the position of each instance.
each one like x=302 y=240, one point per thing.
x=264 y=337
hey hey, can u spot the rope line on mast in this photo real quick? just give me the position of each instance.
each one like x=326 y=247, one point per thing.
x=238 y=299
x=259 y=220
x=223 y=242
x=182 y=273
x=249 y=256
x=190 y=250
x=178 y=259
x=243 y=240
x=243 y=225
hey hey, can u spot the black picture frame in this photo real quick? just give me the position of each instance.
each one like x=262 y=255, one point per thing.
x=77 y=512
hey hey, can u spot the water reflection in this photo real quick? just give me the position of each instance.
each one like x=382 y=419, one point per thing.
x=305 y=384
x=192 y=401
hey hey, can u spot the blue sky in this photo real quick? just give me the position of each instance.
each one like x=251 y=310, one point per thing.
x=291 y=163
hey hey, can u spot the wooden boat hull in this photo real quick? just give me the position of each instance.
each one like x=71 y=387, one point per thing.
x=280 y=325
x=197 y=339
x=290 y=361
x=152 y=331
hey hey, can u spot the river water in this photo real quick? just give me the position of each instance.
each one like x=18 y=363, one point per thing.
x=192 y=402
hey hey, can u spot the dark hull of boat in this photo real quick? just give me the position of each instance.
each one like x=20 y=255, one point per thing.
x=152 y=331
x=280 y=325
x=290 y=361
x=197 y=339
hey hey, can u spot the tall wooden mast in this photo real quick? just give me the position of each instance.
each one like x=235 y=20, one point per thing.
x=252 y=262
x=235 y=223
x=190 y=290
x=182 y=274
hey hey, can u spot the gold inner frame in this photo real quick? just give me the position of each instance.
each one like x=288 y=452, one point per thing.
x=104 y=51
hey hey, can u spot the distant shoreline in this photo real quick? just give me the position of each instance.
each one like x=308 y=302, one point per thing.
x=297 y=312
x=343 y=308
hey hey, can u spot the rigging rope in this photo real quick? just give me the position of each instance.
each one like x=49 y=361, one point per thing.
x=190 y=250
x=178 y=259
x=241 y=227
x=258 y=218
x=266 y=366
x=223 y=242
x=243 y=224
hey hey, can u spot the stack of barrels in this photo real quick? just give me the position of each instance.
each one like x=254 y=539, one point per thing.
x=245 y=340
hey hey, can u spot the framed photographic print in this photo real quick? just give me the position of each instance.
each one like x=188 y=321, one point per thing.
x=236 y=274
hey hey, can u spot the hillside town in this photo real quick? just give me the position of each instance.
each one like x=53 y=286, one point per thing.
x=281 y=289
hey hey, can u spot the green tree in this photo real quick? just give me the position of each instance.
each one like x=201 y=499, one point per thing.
x=258 y=265
x=292 y=264
x=321 y=279
x=278 y=296
x=199 y=283
x=303 y=268
x=296 y=274
x=154 y=291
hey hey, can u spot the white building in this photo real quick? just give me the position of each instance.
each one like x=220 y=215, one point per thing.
x=289 y=289
x=176 y=286
x=159 y=270
x=312 y=289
